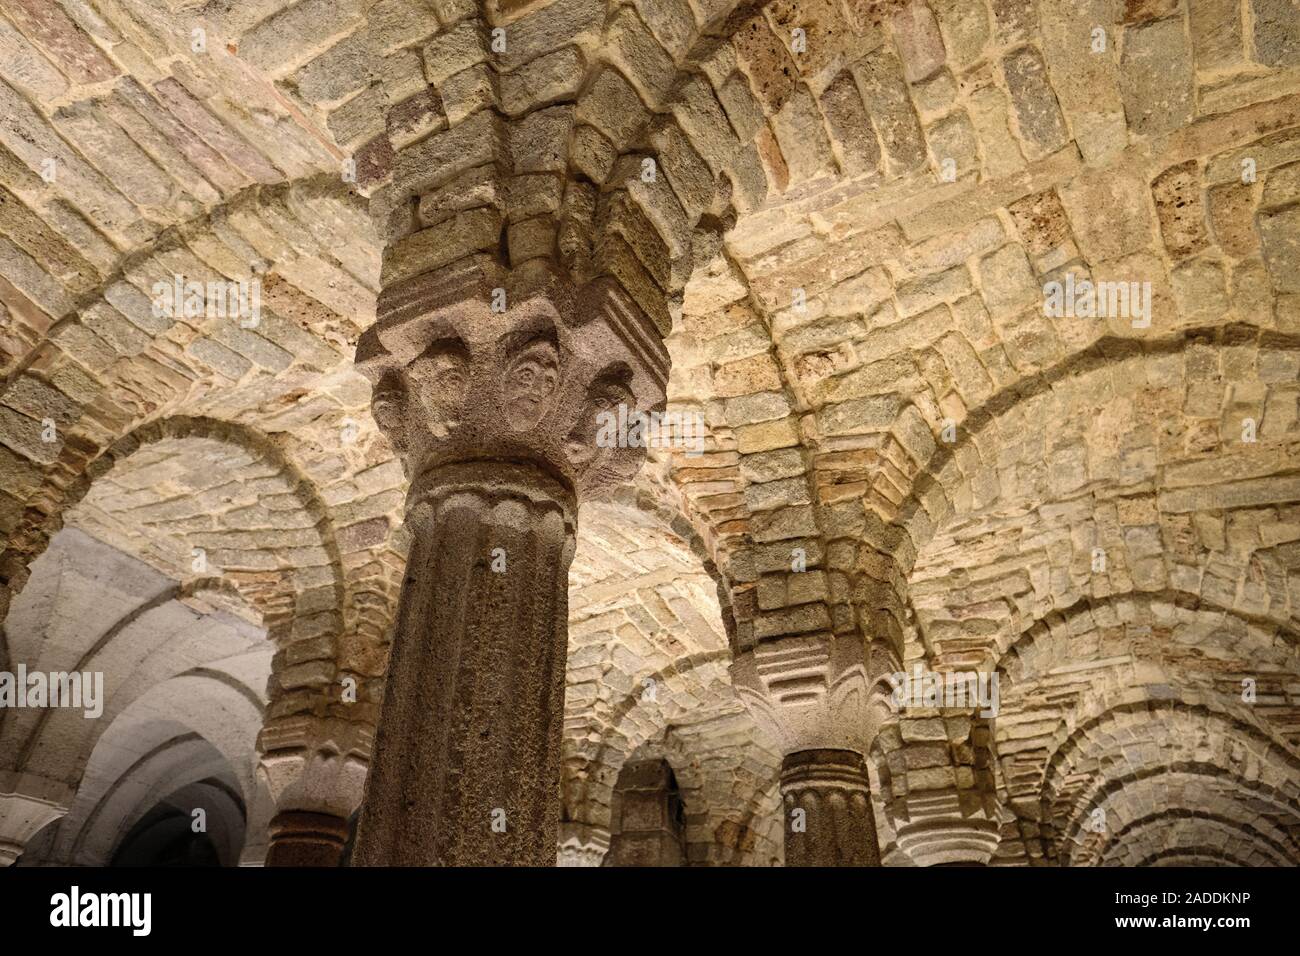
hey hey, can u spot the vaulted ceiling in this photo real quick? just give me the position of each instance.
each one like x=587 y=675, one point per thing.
x=862 y=202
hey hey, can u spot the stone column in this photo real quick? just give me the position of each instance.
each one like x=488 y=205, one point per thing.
x=649 y=825
x=27 y=804
x=315 y=770
x=494 y=389
x=811 y=692
x=476 y=677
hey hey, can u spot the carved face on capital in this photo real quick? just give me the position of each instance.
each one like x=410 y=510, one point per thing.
x=467 y=385
x=531 y=378
x=441 y=380
x=594 y=441
x=387 y=404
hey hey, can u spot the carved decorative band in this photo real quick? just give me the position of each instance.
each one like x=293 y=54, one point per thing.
x=625 y=318
x=494 y=481
x=303 y=827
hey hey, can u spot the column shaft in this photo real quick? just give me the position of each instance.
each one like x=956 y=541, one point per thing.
x=466 y=765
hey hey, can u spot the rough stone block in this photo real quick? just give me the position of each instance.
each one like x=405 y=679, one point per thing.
x=1037 y=113
x=290 y=37
x=1179 y=206
x=1110 y=213
x=801 y=133
x=1156 y=77
x=966 y=31
x=54 y=30
x=920 y=44
x=24 y=67
x=880 y=79
x=613 y=106
x=539 y=142
x=467 y=92
x=856 y=144
x=1217 y=38
x=544 y=80
x=429 y=249
x=1280 y=234
x=457 y=49
x=765 y=58
x=1277 y=32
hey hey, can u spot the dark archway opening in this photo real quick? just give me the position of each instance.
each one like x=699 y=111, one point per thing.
x=165 y=837
x=648 y=817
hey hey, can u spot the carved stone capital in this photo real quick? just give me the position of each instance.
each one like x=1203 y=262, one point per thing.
x=581 y=844
x=27 y=804
x=940 y=829
x=810 y=691
x=315 y=765
x=476 y=363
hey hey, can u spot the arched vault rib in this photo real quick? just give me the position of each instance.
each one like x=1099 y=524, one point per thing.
x=300 y=341
x=1170 y=607
x=1123 y=742
x=1153 y=829
x=1104 y=356
x=184 y=429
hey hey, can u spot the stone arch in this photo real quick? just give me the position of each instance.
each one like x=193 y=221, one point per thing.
x=1199 y=856
x=630 y=727
x=1171 y=607
x=166 y=724
x=1179 y=790
x=955 y=490
x=648 y=667
x=184 y=429
x=233 y=240
x=92 y=837
x=1123 y=651
x=156 y=836
x=658 y=835
x=1272 y=842
x=156 y=642
x=737 y=827
x=1217 y=742
x=944 y=474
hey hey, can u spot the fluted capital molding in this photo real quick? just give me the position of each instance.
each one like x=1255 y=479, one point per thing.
x=940 y=828
x=810 y=691
x=315 y=765
x=581 y=844
x=479 y=363
x=27 y=804
x=301 y=838
x=824 y=770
